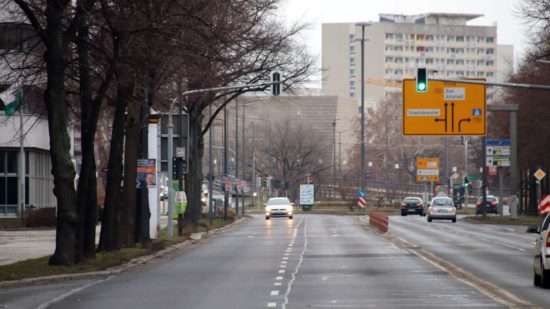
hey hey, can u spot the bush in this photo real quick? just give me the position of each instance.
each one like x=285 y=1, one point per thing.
x=41 y=217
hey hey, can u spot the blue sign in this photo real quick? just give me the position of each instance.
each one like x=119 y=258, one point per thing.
x=476 y=112
x=497 y=142
x=361 y=193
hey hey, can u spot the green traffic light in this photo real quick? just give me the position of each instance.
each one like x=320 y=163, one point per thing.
x=421 y=80
x=421 y=87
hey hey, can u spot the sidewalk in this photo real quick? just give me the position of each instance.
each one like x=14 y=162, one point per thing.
x=19 y=245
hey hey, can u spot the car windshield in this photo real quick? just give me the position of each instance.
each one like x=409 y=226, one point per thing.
x=442 y=202
x=278 y=201
x=412 y=200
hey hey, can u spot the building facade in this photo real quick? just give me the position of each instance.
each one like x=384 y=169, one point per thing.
x=396 y=45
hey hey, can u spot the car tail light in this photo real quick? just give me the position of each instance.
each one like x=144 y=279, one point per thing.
x=430 y=209
x=548 y=240
x=454 y=210
x=493 y=203
x=419 y=204
x=403 y=204
x=477 y=204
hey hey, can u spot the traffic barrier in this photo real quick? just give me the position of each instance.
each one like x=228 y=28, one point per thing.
x=379 y=221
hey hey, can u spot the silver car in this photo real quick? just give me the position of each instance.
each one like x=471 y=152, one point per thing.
x=541 y=253
x=441 y=207
x=278 y=206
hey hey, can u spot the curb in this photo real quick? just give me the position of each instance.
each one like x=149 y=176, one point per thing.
x=115 y=270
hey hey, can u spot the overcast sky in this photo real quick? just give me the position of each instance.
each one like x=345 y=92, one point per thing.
x=510 y=27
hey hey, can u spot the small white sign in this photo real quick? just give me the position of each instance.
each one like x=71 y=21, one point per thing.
x=497 y=161
x=455 y=94
x=423 y=112
x=180 y=152
x=427 y=172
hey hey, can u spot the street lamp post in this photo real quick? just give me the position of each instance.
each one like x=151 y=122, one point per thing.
x=334 y=155
x=362 y=172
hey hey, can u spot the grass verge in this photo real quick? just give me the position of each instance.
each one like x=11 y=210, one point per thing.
x=505 y=220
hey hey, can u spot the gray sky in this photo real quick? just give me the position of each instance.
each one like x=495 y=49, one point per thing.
x=510 y=27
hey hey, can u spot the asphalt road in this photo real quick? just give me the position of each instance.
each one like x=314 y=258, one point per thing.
x=496 y=253
x=313 y=261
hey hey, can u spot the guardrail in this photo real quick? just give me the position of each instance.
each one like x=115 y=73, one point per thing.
x=379 y=221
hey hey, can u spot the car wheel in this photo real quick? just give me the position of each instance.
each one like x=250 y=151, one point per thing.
x=290 y=217
x=544 y=277
x=403 y=214
x=267 y=217
x=536 y=278
x=454 y=220
x=429 y=219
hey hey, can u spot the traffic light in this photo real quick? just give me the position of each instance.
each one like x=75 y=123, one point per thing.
x=466 y=182
x=421 y=80
x=276 y=85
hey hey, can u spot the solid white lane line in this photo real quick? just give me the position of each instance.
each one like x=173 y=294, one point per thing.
x=70 y=293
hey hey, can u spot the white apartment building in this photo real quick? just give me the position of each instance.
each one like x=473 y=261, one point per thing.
x=396 y=45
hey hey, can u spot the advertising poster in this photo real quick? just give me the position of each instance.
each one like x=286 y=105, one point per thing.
x=147 y=173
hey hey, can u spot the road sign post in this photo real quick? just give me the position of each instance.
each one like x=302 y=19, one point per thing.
x=446 y=108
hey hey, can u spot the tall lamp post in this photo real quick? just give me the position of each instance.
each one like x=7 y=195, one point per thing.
x=334 y=155
x=362 y=111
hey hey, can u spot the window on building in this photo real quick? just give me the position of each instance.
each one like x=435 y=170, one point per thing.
x=481 y=51
x=420 y=37
x=450 y=38
x=399 y=37
x=460 y=50
x=490 y=51
x=398 y=60
x=490 y=74
x=460 y=38
x=352 y=72
x=490 y=39
x=450 y=62
x=429 y=60
x=352 y=60
x=490 y=63
x=420 y=49
x=480 y=74
x=429 y=37
x=389 y=36
x=460 y=62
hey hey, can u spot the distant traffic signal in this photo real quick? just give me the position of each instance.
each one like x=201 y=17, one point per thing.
x=421 y=80
x=466 y=182
x=276 y=85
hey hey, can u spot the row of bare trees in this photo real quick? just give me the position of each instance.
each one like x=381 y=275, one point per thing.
x=116 y=61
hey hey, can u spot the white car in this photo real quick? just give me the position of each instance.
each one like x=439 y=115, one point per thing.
x=541 y=253
x=278 y=206
x=441 y=207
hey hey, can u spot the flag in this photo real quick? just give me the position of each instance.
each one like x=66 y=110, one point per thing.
x=13 y=105
x=12 y=99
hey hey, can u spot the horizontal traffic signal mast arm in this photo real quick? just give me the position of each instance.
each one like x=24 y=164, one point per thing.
x=496 y=84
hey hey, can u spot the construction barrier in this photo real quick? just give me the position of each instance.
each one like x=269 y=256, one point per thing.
x=379 y=221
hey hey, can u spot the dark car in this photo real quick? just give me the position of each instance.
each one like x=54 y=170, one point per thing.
x=491 y=206
x=412 y=205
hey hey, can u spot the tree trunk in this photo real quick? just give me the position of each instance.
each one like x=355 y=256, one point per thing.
x=131 y=144
x=193 y=178
x=109 y=236
x=87 y=183
x=62 y=167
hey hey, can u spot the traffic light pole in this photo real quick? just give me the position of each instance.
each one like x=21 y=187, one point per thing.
x=170 y=229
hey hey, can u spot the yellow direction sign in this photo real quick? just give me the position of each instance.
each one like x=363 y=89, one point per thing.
x=427 y=169
x=447 y=108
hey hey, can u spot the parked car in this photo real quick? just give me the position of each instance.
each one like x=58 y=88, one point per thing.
x=441 y=207
x=412 y=205
x=491 y=206
x=278 y=206
x=541 y=253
